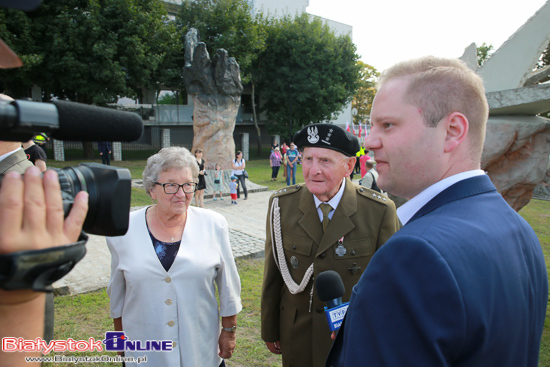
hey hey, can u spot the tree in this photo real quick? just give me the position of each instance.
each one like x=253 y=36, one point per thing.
x=306 y=74
x=483 y=53
x=93 y=51
x=15 y=30
x=230 y=25
x=362 y=101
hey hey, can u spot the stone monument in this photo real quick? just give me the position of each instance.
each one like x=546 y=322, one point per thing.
x=215 y=86
x=517 y=145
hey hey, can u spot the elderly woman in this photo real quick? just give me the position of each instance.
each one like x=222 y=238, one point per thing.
x=164 y=269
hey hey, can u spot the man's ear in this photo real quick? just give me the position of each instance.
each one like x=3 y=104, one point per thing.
x=350 y=163
x=456 y=130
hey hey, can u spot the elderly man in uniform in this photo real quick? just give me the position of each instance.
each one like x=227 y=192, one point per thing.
x=327 y=224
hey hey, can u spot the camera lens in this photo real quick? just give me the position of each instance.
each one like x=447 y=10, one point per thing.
x=109 y=189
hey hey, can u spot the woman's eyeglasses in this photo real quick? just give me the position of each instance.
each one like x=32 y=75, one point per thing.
x=172 y=188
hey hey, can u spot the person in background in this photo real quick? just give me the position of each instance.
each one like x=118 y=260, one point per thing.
x=168 y=268
x=41 y=140
x=362 y=162
x=199 y=193
x=371 y=177
x=233 y=189
x=275 y=163
x=328 y=223
x=359 y=154
x=104 y=148
x=464 y=282
x=292 y=163
x=239 y=165
x=275 y=145
x=284 y=149
x=218 y=182
x=35 y=154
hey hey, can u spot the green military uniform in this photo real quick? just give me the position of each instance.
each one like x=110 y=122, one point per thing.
x=363 y=221
x=15 y=162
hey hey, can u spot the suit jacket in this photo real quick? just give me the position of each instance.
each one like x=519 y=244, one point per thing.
x=463 y=283
x=104 y=147
x=15 y=162
x=364 y=218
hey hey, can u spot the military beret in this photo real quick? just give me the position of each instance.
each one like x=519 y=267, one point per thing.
x=327 y=136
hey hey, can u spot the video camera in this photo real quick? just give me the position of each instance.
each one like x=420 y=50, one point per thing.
x=109 y=188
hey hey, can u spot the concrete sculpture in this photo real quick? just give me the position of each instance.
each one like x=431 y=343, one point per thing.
x=517 y=146
x=215 y=86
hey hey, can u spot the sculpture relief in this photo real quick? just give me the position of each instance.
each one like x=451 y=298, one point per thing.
x=517 y=145
x=215 y=86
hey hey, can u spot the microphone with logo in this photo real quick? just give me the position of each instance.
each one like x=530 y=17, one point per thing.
x=330 y=290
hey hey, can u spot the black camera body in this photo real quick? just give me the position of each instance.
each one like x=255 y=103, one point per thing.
x=109 y=189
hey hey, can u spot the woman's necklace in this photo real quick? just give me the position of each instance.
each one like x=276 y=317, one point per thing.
x=172 y=239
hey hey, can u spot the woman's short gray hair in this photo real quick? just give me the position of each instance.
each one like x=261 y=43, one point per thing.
x=165 y=159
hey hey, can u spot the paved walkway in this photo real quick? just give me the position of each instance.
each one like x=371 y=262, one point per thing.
x=246 y=232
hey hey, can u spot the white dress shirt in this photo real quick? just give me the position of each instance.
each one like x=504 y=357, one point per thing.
x=332 y=202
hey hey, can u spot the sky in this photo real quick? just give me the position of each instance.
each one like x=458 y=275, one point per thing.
x=387 y=32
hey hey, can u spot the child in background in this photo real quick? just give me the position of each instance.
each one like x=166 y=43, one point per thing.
x=218 y=182
x=233 y=190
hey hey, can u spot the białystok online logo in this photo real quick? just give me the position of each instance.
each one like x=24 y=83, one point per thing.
x=115 y=341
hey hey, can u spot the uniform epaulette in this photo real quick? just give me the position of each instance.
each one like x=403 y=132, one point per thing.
x=287 y=190
x=373 y=195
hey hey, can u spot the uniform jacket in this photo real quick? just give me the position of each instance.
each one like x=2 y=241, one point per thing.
x=364 y=219
x=462 y=284
x=15 y=162
x=179 y=304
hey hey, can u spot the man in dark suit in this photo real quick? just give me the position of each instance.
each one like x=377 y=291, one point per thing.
x=104 y=148
x=464 y=282
x=358 y=222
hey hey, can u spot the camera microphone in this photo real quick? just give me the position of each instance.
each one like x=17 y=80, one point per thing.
x=21 y=120
x=330 y=290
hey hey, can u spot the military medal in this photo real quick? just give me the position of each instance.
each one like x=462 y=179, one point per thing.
x=294 y=262
x=354 y=268
x=341 y=250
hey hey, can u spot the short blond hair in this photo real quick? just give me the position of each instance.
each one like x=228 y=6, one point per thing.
x=440 y=86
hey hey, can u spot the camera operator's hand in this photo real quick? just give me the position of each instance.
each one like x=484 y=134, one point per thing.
x=31 y=218
x=31 y=212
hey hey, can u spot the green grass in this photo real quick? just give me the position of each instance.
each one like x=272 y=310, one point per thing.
x=537 y=213
x=87 y=315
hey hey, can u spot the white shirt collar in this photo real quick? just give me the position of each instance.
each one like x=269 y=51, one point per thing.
x=333 y=202
x=406 y=211
x=2 y=157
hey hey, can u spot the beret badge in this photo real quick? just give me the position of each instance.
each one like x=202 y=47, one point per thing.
x=312 y=134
